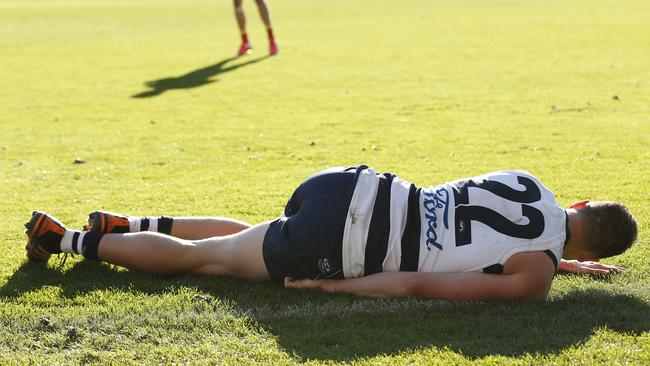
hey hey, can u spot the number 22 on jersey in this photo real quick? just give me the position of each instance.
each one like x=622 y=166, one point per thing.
x=467 y=211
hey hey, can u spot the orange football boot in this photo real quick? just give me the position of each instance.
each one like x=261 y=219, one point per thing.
x=107 y=222
x=44 y=234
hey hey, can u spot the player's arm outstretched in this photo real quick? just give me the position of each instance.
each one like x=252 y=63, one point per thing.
x=526 y=277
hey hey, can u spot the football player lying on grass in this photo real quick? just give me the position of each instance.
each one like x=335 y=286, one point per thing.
x=498 y=236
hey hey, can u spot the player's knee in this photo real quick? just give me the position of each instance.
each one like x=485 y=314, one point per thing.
x=238 y=6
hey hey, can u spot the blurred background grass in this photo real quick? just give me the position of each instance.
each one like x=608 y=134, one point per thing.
x=430 y=90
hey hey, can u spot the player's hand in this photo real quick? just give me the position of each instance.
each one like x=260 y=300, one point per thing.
x=588 y=267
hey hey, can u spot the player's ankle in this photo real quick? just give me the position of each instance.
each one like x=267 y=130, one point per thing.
x=85 y=243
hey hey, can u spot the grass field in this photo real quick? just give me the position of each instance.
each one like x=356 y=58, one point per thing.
x=146 y=93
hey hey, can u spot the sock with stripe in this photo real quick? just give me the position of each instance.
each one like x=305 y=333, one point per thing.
x=85 y=243
x=159 y=224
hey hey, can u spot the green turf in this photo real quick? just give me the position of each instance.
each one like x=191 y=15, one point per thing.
x=431 y=90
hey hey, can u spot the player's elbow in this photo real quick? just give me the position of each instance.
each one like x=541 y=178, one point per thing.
x=533 y=284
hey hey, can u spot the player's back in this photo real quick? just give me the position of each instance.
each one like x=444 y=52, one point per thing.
x=472 y=224
x=476 y=224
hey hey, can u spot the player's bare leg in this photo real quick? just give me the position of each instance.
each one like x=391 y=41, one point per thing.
x=266 y=18
x=195 y=228
x=245 y=47
x=236 y=255
x=191 y=228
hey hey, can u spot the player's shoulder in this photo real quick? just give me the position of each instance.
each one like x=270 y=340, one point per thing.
x=512 y=175
x=517 y=178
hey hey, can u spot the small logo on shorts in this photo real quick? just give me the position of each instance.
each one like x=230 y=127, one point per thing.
x=324 y=265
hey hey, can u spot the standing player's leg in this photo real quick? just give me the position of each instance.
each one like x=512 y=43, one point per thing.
x=266 y=18
x=245 y=47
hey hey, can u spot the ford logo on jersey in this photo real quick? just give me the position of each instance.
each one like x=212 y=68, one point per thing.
x=433 y=200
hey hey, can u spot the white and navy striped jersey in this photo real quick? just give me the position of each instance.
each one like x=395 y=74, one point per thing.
x=472 y=224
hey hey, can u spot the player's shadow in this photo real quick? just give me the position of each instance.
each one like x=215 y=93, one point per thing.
x=318 y=326
x=194 y=78
x=475 y=330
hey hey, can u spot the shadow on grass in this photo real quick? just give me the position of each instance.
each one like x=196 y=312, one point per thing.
x=194 y=78
x=86 y=276
x=321 y=326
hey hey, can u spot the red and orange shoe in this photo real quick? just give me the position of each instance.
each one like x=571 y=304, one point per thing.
x=107 y=222
x=244 y=49
x=44 y=234
x=273 y=48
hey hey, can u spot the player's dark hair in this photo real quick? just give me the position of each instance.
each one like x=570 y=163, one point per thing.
x=609 y=228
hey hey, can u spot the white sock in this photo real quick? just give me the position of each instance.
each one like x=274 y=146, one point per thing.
x=153 y=224
x=138 y=224
x=72 y=241
x=134 y=224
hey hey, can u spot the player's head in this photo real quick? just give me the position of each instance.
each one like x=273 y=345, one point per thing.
x=608 y=228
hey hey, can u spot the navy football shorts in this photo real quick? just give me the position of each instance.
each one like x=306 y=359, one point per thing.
x=306 y=242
